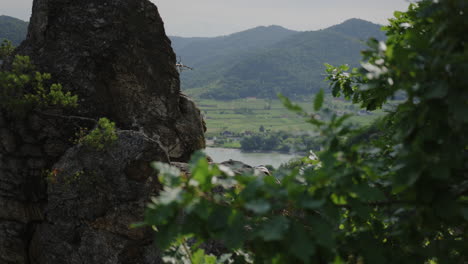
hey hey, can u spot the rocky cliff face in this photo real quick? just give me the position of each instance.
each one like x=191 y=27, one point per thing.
x=115 y=55
x=93 y=198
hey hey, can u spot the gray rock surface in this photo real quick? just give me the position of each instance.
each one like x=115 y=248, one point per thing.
x=115 y=55
x=93 y=197
x=23 y=164
x=237 y=167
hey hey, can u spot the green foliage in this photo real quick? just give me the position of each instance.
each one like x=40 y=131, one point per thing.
x=280 y=141
x=396 y=193
x=102 y=136
x=318 y=102
x=6 y=49
x=52 y=96
x=261 y=142
x=22 y=88
x=182 y=254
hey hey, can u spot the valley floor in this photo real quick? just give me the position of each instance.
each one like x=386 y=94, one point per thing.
x=251 y=115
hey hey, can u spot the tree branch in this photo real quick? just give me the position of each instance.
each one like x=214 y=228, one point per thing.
x=68 y=117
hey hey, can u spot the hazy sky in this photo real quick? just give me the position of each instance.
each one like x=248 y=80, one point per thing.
x=222 y=17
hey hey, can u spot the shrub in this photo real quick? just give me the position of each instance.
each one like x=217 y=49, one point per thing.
x=23 y=89
x=100 y=137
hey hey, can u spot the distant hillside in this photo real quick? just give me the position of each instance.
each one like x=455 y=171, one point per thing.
x=292 y=64
x=258 y=62
x=13 y=29
x=200 y=51
x=360 y=29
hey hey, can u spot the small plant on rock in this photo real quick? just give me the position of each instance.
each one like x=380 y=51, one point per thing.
x=102 y=136
x=22 y=88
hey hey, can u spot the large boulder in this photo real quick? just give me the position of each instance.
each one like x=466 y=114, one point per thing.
x=93 y=198
x=116 y=56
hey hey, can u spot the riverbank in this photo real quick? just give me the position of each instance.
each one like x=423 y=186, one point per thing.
x=211 y=144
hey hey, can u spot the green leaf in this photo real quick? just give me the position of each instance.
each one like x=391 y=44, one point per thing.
x=225 y=258
x=367 y=193
x=170 y=195
x=274 y=229
x=318 y=102
x=301 y=245
x=202 y=174
x=259 y=206
x=235 y=233
x=165 y=236
x=323 y=231
x=338 y=260
x=310 y=203
x=196 y=157
x=465 y=213
x=219 y=217
x=199 y=257
x=138 y=225
x=437 y=91
x=168 y=174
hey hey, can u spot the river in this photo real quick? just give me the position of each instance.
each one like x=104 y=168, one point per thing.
x=251 y=158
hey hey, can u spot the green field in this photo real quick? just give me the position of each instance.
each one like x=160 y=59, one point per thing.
x=249 y=114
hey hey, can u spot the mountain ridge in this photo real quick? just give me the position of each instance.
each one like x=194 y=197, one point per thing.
x=257 y=62
x=291 y=64
x=13 y=29
x=248 y=40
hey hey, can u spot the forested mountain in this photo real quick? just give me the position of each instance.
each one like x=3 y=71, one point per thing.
x=292 y=63
x=259 y=62
x=202 y=51
x=13 y=29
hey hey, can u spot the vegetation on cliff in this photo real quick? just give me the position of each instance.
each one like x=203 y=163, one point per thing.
x=395 y=195
x=102 y=136
x=23 y=87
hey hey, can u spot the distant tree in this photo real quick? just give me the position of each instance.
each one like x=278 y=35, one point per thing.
x=261 y=129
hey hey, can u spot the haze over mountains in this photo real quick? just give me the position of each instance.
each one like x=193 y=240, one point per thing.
x=259 y=62
x=264 y=61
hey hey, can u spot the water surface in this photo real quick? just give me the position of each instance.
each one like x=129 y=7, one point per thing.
x=250 y=158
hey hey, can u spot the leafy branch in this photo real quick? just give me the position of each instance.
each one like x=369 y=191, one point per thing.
x=391 y=193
